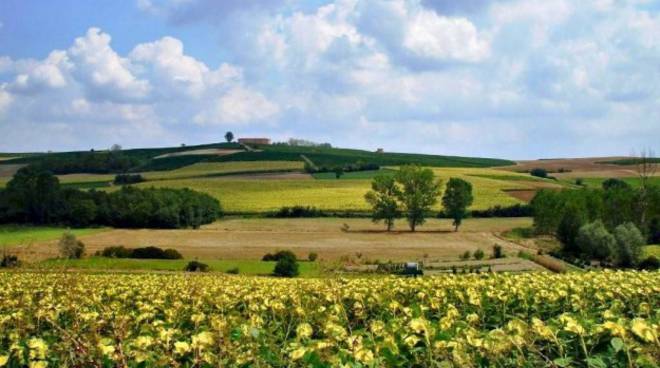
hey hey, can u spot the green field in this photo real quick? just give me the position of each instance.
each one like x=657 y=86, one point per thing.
x=307 y=269
x=338 y=156
x=24 y=235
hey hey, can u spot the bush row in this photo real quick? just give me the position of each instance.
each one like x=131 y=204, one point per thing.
x=36 y=197
x=139 y=253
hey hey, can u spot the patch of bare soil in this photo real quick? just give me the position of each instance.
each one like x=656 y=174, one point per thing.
x=9 y=170
x=525 y=195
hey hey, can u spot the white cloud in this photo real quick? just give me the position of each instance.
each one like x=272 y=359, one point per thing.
x=5 y=100
x=47 y=74
x=431 y=35
x=518 y=77
x=238 y=106
x=171 y=69
x=103 y=72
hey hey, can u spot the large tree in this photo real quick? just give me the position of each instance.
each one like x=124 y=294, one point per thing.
x=419 y=192
x=383 y=200
x=229 y=136
x=457 y=198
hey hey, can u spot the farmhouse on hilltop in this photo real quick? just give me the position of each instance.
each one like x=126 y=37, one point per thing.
x=254 y=140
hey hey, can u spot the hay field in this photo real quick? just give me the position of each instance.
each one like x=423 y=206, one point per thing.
x=250 y=239
x=11 y=235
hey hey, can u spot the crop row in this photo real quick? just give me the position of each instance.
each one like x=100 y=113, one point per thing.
x=530 y=320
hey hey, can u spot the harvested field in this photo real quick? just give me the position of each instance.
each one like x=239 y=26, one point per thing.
x=252 y=238
x=574 y=164
x=8 y=170
x=524 y=195
x=596 y=167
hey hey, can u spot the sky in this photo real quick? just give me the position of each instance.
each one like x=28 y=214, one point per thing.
x=517 y=79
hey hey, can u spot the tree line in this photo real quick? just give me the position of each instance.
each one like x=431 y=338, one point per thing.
x=412 y=192
x=35 y=196
x=113 y=161
x=609 y=224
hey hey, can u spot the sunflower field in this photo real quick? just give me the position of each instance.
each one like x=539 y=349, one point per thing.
x=595 y=319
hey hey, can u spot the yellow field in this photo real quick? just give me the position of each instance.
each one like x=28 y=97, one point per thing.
x=249 y=195
x=253 y=194
x=594 y=319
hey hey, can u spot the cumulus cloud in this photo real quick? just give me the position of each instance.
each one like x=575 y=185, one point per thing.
x=509 y=78
x=238 y=106
x=103 y=72
x=443 y=38
x=48 y=74
x=90 y=94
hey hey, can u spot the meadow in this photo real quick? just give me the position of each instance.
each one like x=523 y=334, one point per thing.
x=244 y=267
x=596 y=319
x=27 y=235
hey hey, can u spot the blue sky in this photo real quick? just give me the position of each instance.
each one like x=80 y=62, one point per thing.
x=511 y=78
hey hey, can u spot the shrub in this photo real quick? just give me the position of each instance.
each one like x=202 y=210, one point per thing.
x=498 y=252
x=517 y=210
x=233 y=271
x=312 y=256
x=286 y=267
x=629 y=242
x=9 y=261
x=155 y=253
x=70 y=247
x=478 y=254
x=196 y=266
x=278 y=256
x=651 y=263
x=298 y=212
x=614 y=183
x=579 y=181
x=115 y=252
x=125 y=179
x=466 y=255
x=172 y=254
x=594 y=241
x=538 y=172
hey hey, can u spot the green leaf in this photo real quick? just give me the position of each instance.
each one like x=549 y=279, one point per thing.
x=563 y=362
x=617 y=344
x=596 y=363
